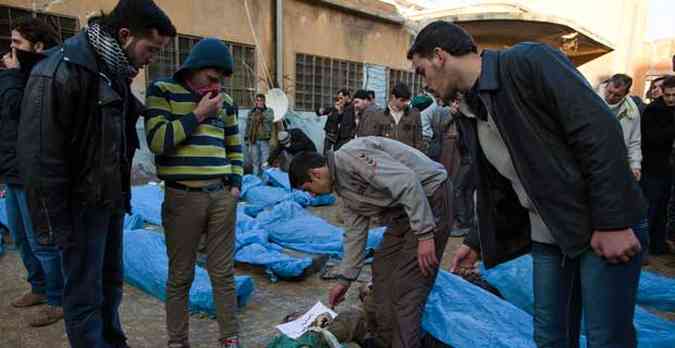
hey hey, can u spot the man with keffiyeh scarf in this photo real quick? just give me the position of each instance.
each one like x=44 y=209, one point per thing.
x=76 y=142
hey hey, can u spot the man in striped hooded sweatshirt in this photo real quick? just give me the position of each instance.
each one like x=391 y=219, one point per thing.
x=192 y=129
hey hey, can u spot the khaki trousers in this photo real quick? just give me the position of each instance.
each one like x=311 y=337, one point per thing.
x=186 y=217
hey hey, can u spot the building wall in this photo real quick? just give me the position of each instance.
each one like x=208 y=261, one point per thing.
x=312 y=28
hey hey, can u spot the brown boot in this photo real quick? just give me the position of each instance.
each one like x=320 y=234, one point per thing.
x=47 y=316
x=29 y=299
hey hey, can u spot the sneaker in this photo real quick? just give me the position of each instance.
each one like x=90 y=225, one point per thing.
x=232 y=342
x=178 y=345
x=47 y=316
x=29 y=299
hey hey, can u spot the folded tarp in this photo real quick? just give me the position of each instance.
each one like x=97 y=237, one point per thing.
x=147 y=201
x=252 y=246
x=465 y=316
x=293 y=227
x=259 y=194
x=146 y=267
x=514 y=281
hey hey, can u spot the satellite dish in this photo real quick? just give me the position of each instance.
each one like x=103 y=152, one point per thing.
x=277 y=100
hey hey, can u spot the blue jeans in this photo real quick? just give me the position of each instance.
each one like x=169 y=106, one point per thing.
x=260 y=152
x=604 y=293
x=19 y=224
x=92 y=264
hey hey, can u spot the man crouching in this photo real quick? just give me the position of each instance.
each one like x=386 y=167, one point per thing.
x=380 y=178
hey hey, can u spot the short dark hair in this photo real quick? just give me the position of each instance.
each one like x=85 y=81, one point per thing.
x=444 y=35
x=371 y=94
x=302 y=163
x=401 y=90
x=139 y=16
x=261 y=96
x=668 y=82
x=361 y=94
x=344 y=91
x=36 y=30
x=621 y=80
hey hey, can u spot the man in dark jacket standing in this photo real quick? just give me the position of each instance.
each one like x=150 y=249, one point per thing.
x=42 y=261
x=552 y=177
x=399 y=121
x=658 y=133
x=341 y=123
x=73 y=154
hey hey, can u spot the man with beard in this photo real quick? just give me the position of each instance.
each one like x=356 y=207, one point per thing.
x=341 y=123
x=42 y=260
x=552 y=177
x=73 y=151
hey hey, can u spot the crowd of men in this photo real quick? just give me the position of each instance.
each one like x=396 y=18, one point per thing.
x=549 y=166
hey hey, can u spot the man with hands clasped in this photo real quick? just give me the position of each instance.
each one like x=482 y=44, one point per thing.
x=552 y=178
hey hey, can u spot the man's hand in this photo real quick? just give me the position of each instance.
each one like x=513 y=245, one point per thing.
x=426 y=256
x=615 y=246
x=208 y=107
x=235 y=193
x=465 y=258
x=637 y=173
x=337 y=295
x=10 y=61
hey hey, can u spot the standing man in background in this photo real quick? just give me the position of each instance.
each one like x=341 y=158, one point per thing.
x=259 y=126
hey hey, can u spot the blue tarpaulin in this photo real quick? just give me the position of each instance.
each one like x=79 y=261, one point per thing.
x=465 y=316
x=259 y=193
x=147 y=201
x=293 y=227
x=146 y=267
x=514 y=281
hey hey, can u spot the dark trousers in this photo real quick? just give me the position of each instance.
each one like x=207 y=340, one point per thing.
x=604 y=293
x=93 y=270
x=399 y=287
x=657 y=191
x=464 y=189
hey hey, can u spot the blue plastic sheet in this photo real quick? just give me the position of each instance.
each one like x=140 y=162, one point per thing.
x=133 y=222
x=657 y=292
x=514 y=281
x=146 y=267
x=293 y=227
x=252 y=246
x=465 y=316
x=259 y=194
x=147 y=201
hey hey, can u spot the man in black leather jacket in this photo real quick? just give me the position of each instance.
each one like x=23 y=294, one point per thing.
x=340 y=126
x=552 y=177
x=74 y=153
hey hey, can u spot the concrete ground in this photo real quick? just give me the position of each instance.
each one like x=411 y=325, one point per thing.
x=143 y=316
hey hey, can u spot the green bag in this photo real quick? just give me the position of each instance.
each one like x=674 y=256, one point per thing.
x=315 y=338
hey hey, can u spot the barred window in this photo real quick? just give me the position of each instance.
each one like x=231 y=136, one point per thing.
x=64 y=26
x=317 y=79
x=411 y=79
x=241 y=86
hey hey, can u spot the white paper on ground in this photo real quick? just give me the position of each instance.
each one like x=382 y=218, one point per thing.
x=296 y=328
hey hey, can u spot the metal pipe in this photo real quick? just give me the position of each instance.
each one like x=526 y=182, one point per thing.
x=279 y=49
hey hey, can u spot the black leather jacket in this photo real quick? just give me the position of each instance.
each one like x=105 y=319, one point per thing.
x=340 y=128
x=12 y=83
x=566 y=147
x=73 y=148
